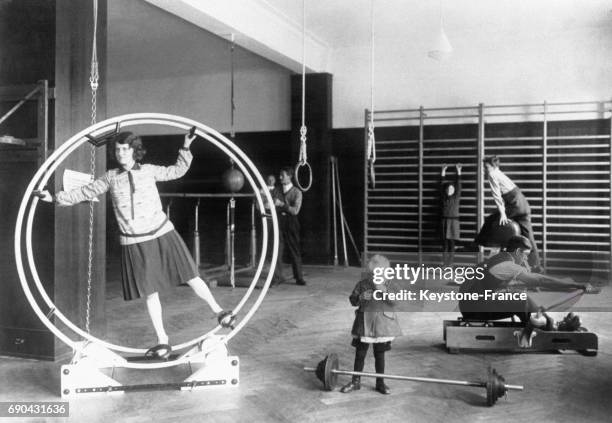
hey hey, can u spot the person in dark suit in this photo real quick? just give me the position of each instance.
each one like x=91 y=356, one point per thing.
x=288 y=201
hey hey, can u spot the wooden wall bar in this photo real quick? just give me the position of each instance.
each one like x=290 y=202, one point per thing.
x=562 y=166
x=74 y=33
x=315 y=215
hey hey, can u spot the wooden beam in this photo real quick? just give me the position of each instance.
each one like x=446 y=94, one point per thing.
x=258 y=27
x=73 y=111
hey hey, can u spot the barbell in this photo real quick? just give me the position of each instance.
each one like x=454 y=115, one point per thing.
x=328 y=369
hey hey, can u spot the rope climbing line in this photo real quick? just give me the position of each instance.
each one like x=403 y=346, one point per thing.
x=232 y=101
x=303 y=156
x=371 y=148
x=93 y=82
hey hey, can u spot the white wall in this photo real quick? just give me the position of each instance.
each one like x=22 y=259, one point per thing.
x=505 y=52
x=262 y=99
x=504 y=67
x=159 y=63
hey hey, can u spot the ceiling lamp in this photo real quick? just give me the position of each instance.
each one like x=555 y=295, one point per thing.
x=442 y=48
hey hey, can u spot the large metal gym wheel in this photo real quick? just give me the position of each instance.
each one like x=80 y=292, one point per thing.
x=29 y=203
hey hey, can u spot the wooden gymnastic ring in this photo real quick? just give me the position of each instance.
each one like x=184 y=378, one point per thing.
x=297 y=178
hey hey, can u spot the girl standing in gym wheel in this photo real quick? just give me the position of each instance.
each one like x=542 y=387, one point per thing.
x=153 y=255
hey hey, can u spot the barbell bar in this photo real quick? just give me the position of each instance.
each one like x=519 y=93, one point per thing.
x=328 y=369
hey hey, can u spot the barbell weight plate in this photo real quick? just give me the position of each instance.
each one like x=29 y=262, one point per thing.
x=500 y=385
x=320 y=370
x=335 y=365
x=496 y=387
x=331 y=378
x=490 y=389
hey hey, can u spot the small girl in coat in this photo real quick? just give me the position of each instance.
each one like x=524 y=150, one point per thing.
x=375 y=323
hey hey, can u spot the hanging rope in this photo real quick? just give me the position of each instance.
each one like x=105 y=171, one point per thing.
x=93 y=82
x=233 y=104
x=371 y=149
x=303 y=157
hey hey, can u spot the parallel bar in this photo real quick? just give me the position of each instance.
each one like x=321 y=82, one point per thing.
x=253 y=236
x=451 y=140
x=578 y=137
x=386 y=197
x=512 y=138
x=583 y=225
x=391 y=189
x=397 y=173
x=577 y=172
x=19 y=104
x=366 y=189
x=340 y=209
x=570 y=154
x=477 y=384
x=332 y=160
x=579 y=234
x=407 y=238
x=610 y=192
x=394 y=150
x=393 y=165
x=480 y=179
x=396 y=142
x=205 y=195
x=544 y=182
x=387 y=205
x=396 y=158
x=393 y=229
x=43 y=121
x=565 y=216
x=581 y=252
x=564 y=146
x=582 y=243
x=420 y=202
x=497 y=106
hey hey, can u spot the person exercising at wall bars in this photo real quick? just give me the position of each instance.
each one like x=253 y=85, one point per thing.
x=507 y=271
x=153 y=255
x=511 y=205
x=450 y=198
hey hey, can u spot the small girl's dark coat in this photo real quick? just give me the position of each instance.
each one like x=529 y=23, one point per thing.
x=374 y=319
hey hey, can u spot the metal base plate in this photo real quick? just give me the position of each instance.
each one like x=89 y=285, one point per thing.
x=216 y=369
x=499 y=336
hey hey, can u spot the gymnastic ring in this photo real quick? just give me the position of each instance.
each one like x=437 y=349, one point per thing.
x=46 y=171
x=297 y=177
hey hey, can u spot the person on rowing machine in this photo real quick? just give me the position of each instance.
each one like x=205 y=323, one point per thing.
x=508 y=271
x=153 y=255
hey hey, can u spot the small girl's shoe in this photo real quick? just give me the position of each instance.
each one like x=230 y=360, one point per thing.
x=382 y=388
x=159 y=352
x=226 y=319
x=353 y=385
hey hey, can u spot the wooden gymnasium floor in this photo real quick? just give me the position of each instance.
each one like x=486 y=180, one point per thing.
x=297 y=326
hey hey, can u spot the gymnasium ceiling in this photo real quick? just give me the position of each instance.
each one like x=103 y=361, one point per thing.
x=273 y=28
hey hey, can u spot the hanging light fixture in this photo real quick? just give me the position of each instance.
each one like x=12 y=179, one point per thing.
x=442 y=48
